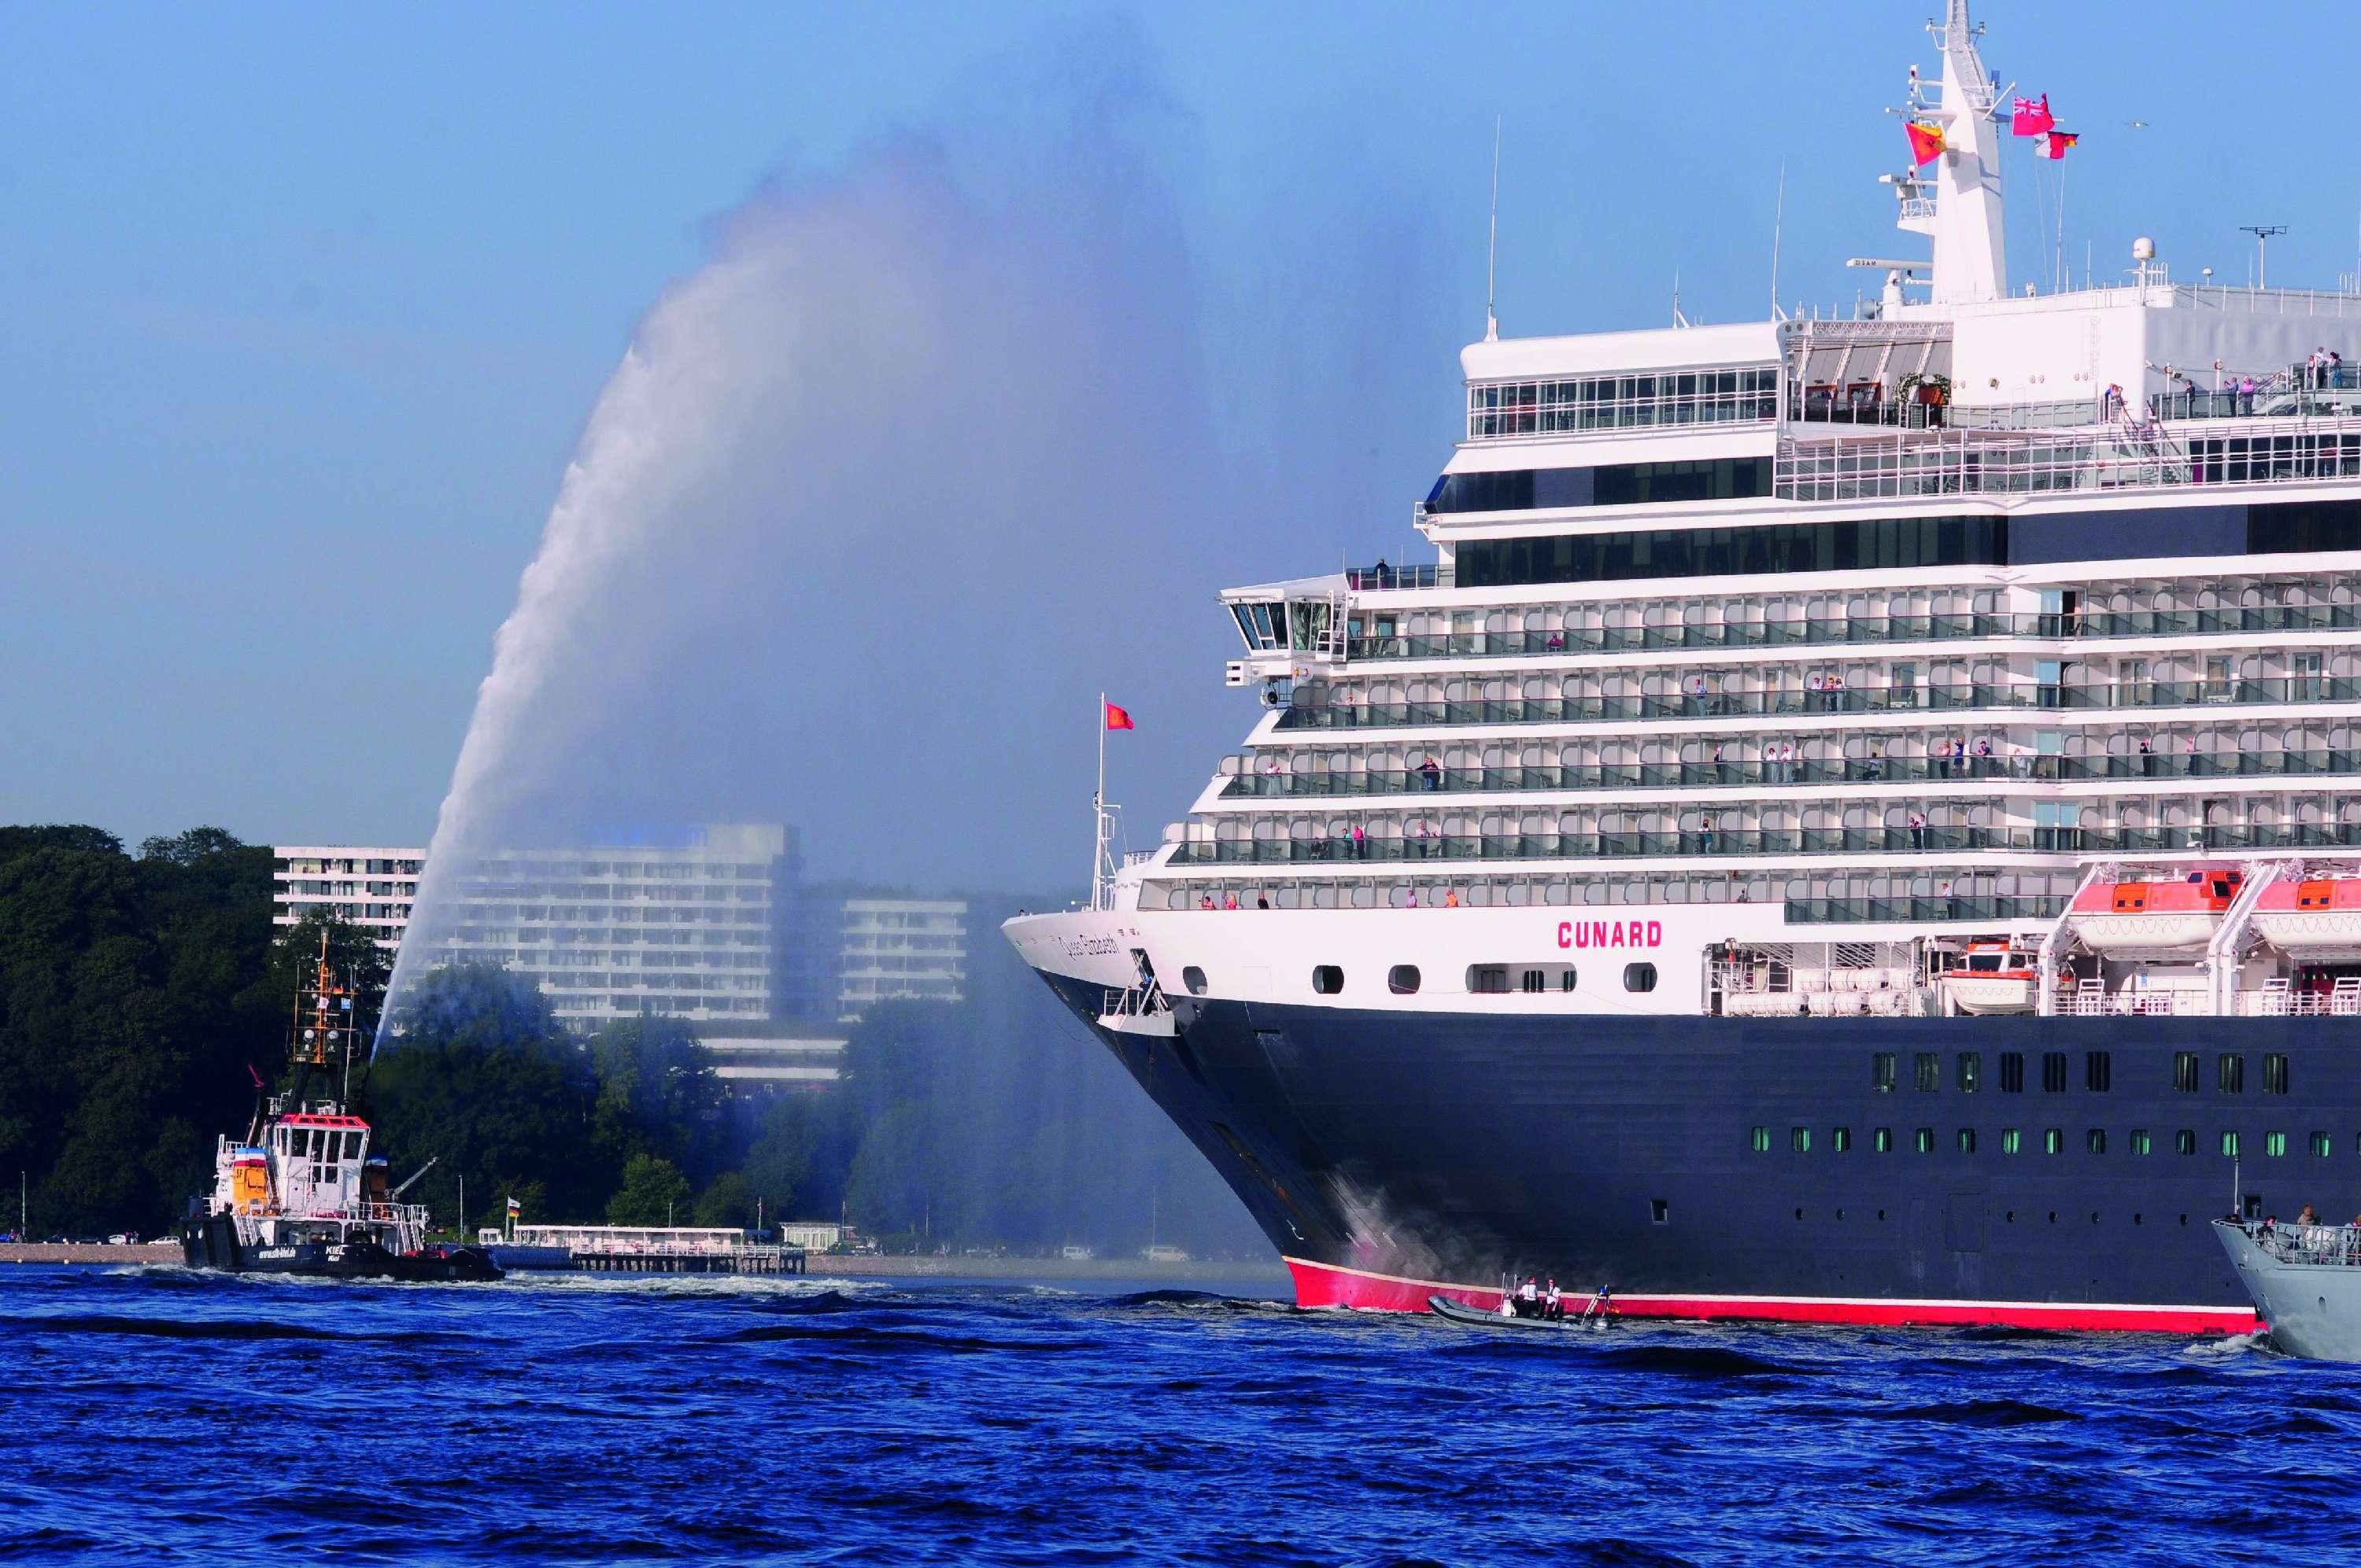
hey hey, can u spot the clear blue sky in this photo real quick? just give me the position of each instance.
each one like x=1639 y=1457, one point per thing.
x=306 y=306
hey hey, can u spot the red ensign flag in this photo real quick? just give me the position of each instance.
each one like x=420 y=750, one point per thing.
x=1116 y=718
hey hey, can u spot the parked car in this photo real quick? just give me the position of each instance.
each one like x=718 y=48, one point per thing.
x=1164 y=1255
x=1074 y=1253
x=123 y=1238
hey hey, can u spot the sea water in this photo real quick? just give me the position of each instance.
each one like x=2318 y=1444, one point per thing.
x=155 y=1414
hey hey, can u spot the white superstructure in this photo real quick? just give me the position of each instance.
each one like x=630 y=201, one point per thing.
x=1769 y=667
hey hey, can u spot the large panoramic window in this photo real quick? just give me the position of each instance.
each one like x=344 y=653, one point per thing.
x=1603 y=484
x=1768 y=549
x=1566 y=404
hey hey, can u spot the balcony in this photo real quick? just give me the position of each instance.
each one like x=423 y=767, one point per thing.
x=1358 y=783
x=2146 y=696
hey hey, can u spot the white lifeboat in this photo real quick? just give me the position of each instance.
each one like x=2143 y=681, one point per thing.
x=1990 y=978
x=2318 y=920
x=2168 y=915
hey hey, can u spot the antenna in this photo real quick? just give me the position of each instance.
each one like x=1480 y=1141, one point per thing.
x=1678 y=319
x=2262 y=232
x=1778 y=215
x=1492 y=242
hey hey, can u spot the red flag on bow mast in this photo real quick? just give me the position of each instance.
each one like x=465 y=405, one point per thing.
x=1925 y=142
x=1116 y=718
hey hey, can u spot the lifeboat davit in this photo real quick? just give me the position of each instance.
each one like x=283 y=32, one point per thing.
x=1990 y=978
x=2317 y=920
x=2172 y=914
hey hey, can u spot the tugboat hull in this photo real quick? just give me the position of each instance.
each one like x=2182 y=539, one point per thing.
x=213 y=1242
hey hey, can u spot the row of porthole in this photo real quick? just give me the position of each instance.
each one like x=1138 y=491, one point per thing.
x=2053 y=1141
x=2009 y=1216
x=1403 y=980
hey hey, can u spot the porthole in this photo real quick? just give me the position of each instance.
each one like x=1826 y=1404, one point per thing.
x=1640 y=977
x=1193 y=978
x=1800 y=1213
x=1327 y=979
x=1402 y=979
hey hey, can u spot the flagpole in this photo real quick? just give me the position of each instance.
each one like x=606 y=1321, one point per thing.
x=1098 y=806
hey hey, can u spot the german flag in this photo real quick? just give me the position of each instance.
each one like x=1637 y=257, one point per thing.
x=1926 y=143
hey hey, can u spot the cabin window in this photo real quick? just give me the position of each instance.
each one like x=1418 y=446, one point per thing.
x=2095 y=1141
x=2230 y=1145
x=2053 y=1073
x=1488 y=979
x=1880 y=1072
x=2230 y=1073
x=1971 y=1072
x=1881 y=1140
x=1566 y=978
x=1193 y=978
x=2274 y=1145
x=1531 y=982
x=1840 y=1140
x=2185 y=1141
x=352 y=1146
x=2098 y=1072
x=2184 y=1071
x=1640 y=977
x=2275 y=1073
x=1967 y=1140
x=1402 y=979
x=1660 y=1211
x=2053 y=1141
x=2010 y=1140
x=1761 y=1140
x=1800 y=1139
x=2140 y=1142
x=2319 y=1146
x=1929 y=1067
x=1924 y=1140
x=2012 y=1072
x=1327 y=979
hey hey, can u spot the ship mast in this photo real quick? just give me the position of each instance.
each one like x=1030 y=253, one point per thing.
x=1958 y=202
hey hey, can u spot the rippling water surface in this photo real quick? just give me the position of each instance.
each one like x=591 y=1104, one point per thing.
x=154 y=1414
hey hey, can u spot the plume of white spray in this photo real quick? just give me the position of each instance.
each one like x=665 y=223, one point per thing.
x=839 y=525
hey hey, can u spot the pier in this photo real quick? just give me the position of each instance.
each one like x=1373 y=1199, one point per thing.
x=641 y=1249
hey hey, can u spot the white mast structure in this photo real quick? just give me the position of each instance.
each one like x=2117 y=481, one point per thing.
x=1963 y=217
x=1103 y=830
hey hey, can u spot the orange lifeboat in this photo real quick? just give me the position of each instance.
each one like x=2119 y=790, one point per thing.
x=2317 y=919
x=2174 y=915
x=1990 y=978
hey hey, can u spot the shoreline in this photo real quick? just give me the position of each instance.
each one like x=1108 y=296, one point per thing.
x=881 y=1266
x=69 y=1251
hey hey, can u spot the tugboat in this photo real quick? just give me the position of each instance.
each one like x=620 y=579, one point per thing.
x=302 y=1193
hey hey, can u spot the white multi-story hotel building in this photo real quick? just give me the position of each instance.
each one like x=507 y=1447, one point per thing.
x=372 y=888
x=897 y=948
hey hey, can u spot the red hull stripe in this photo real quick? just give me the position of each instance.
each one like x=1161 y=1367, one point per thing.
x=1324 y=1285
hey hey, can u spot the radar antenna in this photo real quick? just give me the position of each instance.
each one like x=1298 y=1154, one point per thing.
x=1492 y=241
x=2262 y=232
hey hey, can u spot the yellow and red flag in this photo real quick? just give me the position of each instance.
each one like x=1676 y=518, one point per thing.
x=1925 y=142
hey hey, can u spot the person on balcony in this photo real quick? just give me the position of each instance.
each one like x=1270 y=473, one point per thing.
x=1430 y=775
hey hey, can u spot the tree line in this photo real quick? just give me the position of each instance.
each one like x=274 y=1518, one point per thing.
x=142 y=994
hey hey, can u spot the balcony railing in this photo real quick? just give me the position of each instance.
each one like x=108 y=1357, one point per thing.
x=1920 y=909
x=2110 y=457
x=1952 y=697
x=1758 y=842
x=1756 y=773
x=2040 y=625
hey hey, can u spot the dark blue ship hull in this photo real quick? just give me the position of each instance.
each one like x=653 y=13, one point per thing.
x=1388 y=1153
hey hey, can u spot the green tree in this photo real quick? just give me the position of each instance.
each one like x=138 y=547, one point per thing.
x=779 y=1160
x=730 y=1201
x=652 y=1193
x=658 y=1094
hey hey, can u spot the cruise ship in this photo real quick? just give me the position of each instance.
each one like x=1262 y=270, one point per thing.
x=1859 y=821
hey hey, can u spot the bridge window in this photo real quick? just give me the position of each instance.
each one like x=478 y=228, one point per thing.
x=2053 y=1073
x=2184 y=1071
x=2275 y=1073
x=1402 y=979
x=2230 y=1073
x=1640 y=977
x=2012 y=1072
x=1193 y=978
x=1327 y=979
x=1880 y=1072
x=2098 y=1072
